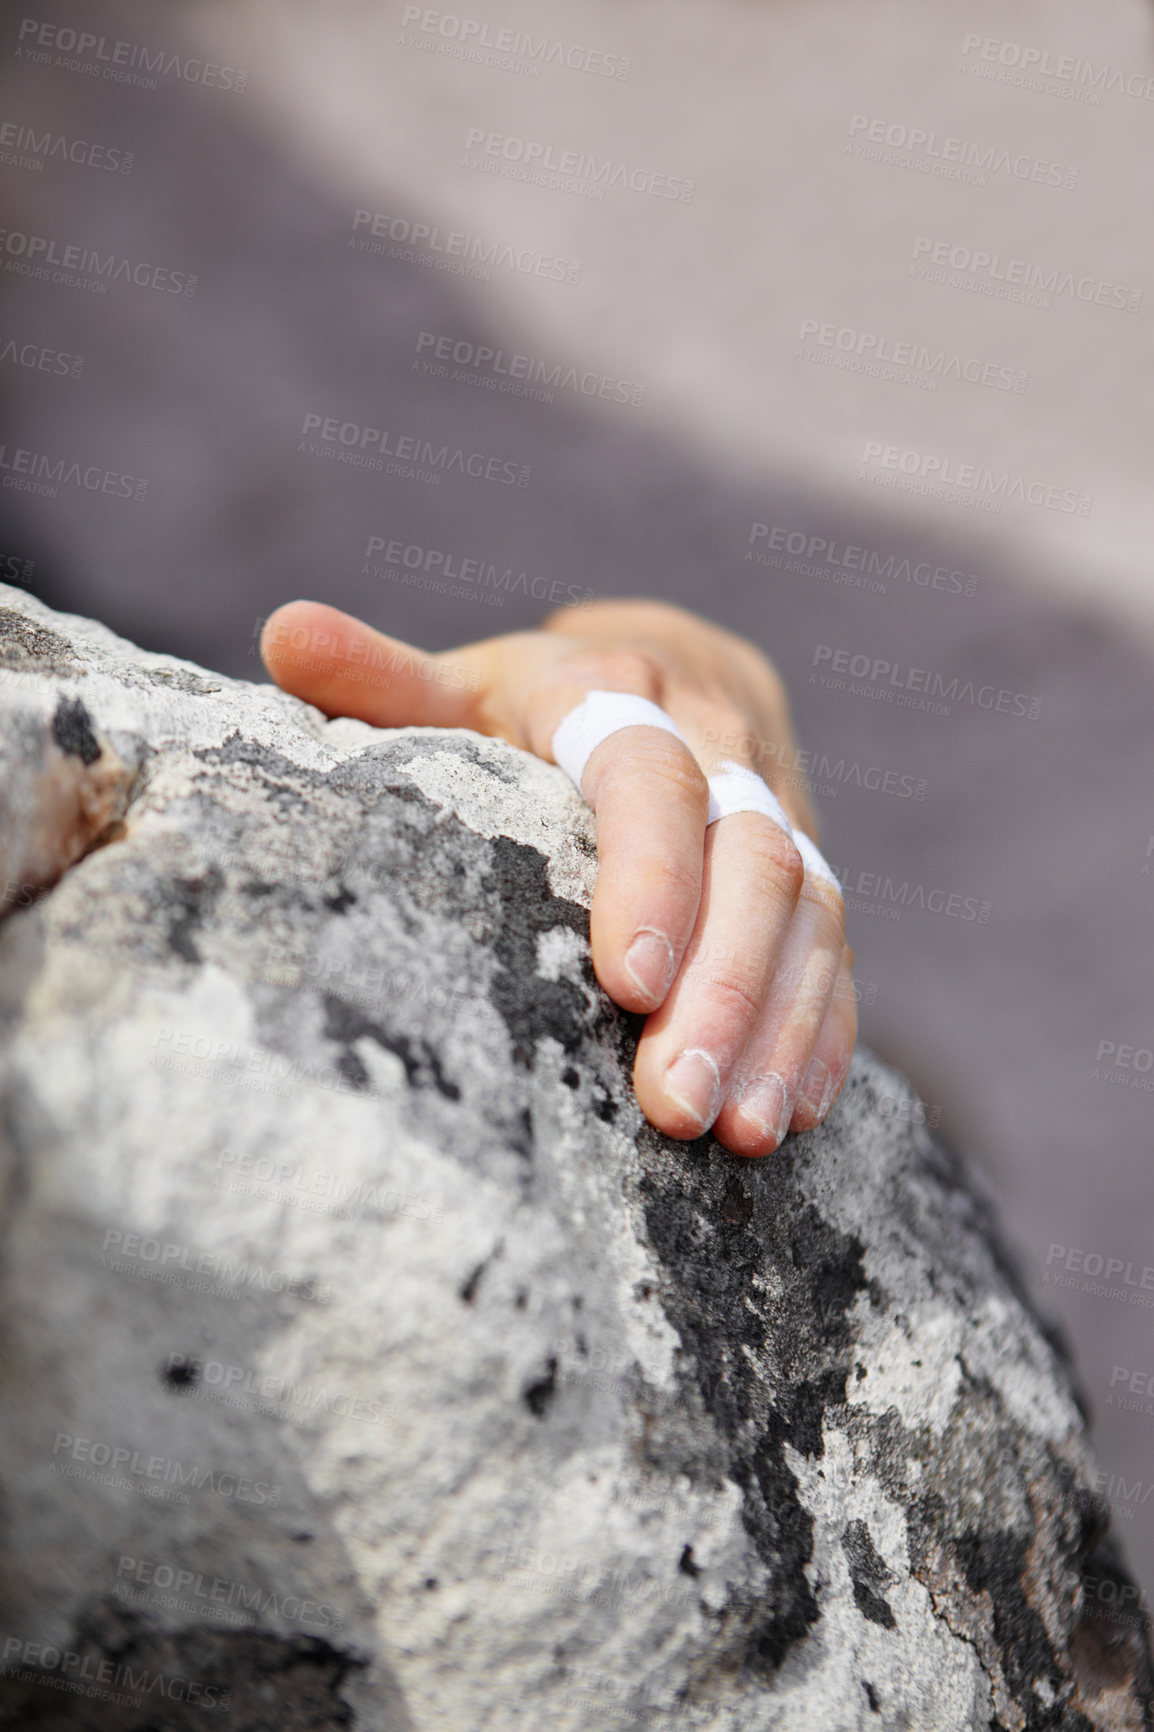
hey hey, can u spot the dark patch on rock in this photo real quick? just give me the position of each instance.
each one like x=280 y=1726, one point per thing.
x=811 y=1399
x=995 y=1563
x=871 y=1697
x=736 y=1204
x=251 y=1680
x=521 y=1134
x=1109 y=1646
x=763 y=1368
x=32 y=648
x=287 y=783
x=73 y=732
x=529 y=1005
x=605 y=1107
x=687 y=1564
x=182 y=680
x=340 y=901
x=869 y=1575
x=188 y=905
x=179 y=1374
x=352 y=1068
x=346 y=1023
x=490 y=766
x=467 y=1291
x=463 y=746
x=538 y=1394
x=570 y=1077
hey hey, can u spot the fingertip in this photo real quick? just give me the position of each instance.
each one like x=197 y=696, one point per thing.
x=679 y=1099
x=813 y=1107
x=756 y=1117
x=276 y=634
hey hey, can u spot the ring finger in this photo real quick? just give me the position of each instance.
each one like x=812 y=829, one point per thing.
x=751 y=880
x=774 y=1072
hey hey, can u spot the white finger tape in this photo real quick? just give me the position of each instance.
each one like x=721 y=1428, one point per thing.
x=816 y=864
x=598 y=715
x=737 y=788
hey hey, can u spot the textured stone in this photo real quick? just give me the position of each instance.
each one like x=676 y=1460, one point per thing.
x=371 y=1359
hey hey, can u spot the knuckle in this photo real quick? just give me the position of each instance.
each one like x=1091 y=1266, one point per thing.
x=736 y=735
x=835 y=909
x=776 y=863
x=666 y=759
x=628 y=669
x=735 y=997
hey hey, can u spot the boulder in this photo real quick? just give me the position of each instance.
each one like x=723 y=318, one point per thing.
x=371 y=1362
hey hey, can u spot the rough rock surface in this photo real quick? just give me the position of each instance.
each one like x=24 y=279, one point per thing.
x=370 y=1362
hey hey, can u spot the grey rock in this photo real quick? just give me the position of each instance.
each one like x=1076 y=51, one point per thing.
x=370 y=1361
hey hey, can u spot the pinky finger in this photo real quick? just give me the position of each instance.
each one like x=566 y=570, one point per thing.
x=832 y=1053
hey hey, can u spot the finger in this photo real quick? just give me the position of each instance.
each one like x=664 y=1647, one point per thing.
x=651 y=800
x=832 y=1053
x=687 y=1055
x=775 y=1065
x=774 y=757
x=345 y=668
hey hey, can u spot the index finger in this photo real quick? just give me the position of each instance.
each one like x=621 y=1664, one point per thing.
x=651 y=801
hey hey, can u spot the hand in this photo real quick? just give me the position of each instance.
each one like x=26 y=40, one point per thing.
x=737 y=954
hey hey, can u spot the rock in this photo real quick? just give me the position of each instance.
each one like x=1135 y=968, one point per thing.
x=372 y=1363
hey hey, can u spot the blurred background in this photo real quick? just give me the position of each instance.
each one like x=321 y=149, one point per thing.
x=833 y=322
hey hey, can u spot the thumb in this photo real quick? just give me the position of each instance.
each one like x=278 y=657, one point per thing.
x=345 y=668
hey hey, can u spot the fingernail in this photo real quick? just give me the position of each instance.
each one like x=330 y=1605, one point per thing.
x=649 y=964
x=764 y=1103
x=815 y=1089
x=694 y=1082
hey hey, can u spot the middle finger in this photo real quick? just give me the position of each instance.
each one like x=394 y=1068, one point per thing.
x=751 y=880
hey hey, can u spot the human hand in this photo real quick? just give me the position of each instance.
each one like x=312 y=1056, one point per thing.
x=719 y=932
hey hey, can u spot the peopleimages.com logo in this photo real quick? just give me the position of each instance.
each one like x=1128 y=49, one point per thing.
x=438 y=569
x=422 y=243
x=943 y=475
x=1014 y=279
x=155 y=1472
x=949 y=157
x=459 y=358
x=369 y=447
x=24 y=147
x=879 y=356
x=534 y=161
x=879 y=677
x=216 y=1597
x=823 y=551
x=43 y=257
x=37 y=357
x=509 y=50
x=1031 y=66
x=129 y=1683
x=36 y=472
x=122 y=62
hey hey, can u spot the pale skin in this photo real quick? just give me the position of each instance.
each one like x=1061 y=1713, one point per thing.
x=736 y=957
